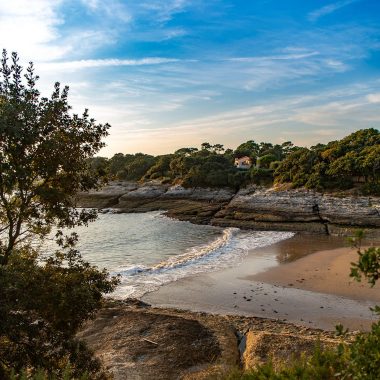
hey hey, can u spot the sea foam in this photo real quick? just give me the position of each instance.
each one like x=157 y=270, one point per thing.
x=227 y=250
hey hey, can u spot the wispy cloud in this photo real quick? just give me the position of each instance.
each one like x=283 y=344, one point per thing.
x=329 y=8
x=115 y=9
x=88 y=63
x=165 y=10
x=282 y=57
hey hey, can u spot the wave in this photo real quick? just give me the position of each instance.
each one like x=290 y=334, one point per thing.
x=225 y=251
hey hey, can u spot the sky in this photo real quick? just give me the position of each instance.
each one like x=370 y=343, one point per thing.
x=168 y=74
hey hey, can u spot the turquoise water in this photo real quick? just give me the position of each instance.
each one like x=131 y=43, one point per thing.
x=149 y=250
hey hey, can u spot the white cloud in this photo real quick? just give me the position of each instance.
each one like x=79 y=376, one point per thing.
x=35 y=30
x=329 y=8
x=349 y=112
x=114 y=9
x=165 y=10
x=267 y=71
x=374 y=98
x=90 y=63
x=283 y=57
x=30 y=28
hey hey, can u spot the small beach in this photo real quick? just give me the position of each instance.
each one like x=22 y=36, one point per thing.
x=310 y=286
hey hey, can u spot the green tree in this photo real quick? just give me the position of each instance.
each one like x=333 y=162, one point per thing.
x=185 y=151
x=218 y=148
x=117 y=163
x=250 y=148
x=137 y=166
x=206 y=146
x=99 y=166
x=44 y=156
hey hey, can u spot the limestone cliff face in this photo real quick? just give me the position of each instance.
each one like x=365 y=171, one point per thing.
x=300 y=210
x=252 y=207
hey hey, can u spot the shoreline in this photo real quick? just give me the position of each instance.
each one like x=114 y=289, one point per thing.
x=237 y=291
x=253 y=207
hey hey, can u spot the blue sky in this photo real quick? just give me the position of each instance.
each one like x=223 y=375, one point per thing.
x=174 y=73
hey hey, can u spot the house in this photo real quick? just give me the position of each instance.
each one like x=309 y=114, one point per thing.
x=243 y=162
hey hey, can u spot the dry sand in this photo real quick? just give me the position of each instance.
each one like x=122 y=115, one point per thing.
x=323 y=272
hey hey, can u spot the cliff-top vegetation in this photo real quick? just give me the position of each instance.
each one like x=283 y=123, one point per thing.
x=350 y=163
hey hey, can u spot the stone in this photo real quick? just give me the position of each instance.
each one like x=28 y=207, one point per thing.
x=252 y=207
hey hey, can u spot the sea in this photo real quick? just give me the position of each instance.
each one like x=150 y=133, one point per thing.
x=149 y=250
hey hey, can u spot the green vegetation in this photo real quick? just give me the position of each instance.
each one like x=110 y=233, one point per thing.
x=322 y=365
x=353 y=162
x=210 y=166
x=44 y=300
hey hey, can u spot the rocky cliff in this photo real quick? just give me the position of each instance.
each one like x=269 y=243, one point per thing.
x=253 y=207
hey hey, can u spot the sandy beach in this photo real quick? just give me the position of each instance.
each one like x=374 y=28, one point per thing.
x=323 y=272
x=309 y=286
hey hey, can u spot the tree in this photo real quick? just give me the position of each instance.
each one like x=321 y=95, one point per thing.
x=218 y=148
x=185 y=151
x=249 y=148
x=43 y=303
x=206 y=146
x=117 y=163
x=43 y=158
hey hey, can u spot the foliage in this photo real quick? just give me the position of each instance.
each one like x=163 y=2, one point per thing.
x=45 y=159
x=211 y=166
x=351 y=162
x=368 y=264
x=130 y=167
x=42 y=305
x=337 y=165
x=137 y=166
x=321 y=365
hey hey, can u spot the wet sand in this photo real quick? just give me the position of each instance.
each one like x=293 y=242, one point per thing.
x=239 y=291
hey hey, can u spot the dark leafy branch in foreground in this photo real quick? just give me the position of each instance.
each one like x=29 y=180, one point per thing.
x=44 y=153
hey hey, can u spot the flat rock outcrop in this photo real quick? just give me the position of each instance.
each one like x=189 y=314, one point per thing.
x=300 y=210
x=251 y=207
x=105 y=197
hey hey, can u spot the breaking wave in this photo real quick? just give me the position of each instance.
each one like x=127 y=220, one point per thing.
x=225 y=251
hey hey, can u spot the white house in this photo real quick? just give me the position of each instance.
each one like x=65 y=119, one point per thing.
x=243 y=162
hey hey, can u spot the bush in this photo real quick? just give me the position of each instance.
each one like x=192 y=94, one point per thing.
x=371 y=189
x=42 y=305
x=321 y=365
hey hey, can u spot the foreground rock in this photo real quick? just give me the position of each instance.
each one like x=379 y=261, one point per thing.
x=136 y=341
x=280 y=348
x=253 y=208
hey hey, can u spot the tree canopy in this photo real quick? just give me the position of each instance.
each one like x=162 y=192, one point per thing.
x=44 y=156
x=353 y=162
